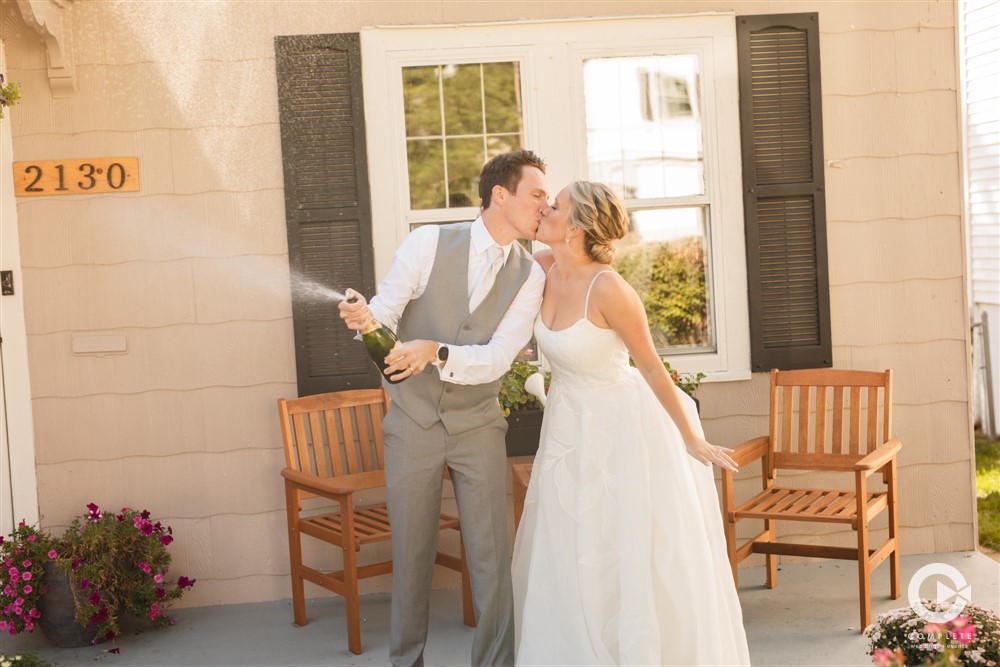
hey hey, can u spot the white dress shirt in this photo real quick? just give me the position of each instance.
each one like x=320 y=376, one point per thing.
x=407 y=280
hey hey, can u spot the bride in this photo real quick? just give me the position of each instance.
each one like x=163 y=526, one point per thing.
x=620 y=557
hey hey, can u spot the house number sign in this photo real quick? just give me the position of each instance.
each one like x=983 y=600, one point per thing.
x=76 y=177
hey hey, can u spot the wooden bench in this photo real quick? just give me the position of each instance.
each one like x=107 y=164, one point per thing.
x=333 y=449
x=809 y=413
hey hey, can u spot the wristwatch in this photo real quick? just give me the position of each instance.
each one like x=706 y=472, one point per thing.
x=442 y=355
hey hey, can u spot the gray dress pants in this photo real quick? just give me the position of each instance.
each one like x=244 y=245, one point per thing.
x=414 y=463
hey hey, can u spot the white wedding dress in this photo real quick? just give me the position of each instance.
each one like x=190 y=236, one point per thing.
x=620 y=557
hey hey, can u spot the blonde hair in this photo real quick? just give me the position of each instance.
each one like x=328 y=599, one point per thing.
x=602 y=217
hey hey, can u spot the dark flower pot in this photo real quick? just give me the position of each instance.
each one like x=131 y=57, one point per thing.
x=523 y=430
x=58 y=621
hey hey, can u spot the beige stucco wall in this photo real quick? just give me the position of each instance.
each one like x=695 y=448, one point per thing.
x=193 y=269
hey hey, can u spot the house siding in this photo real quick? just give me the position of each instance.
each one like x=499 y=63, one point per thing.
x=193 y=268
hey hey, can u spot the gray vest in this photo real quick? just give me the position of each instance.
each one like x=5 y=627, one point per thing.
x=441 y=314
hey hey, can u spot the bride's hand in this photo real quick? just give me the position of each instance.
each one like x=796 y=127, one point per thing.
x=707 y=453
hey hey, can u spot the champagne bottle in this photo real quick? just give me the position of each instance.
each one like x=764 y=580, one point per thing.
x=379 y=341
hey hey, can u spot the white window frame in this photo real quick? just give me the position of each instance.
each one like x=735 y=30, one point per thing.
x=550 y=55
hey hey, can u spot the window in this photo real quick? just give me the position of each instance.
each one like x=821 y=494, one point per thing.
x=646 y=143
x=457 y=117
x=649 y=106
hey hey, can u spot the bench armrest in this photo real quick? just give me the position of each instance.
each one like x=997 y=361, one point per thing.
x=337 y=486
x=878 y=458
x=751 y=450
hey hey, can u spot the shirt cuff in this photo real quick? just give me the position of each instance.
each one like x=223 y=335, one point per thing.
x=456 y=365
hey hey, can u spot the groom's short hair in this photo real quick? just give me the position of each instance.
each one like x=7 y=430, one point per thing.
x=505 y=170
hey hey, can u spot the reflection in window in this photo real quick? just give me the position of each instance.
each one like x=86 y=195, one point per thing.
x=457 y=117
x=663 y=97
x=644 y=139
x=664 y=258
x=644 y=132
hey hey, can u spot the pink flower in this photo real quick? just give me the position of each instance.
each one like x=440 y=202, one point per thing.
x=964 y=635
x=52 y=554
x=144 y=567
x=960 y=621
x=95 y=598
x=933 y=629
x=158 y=578
x=26 y=576
x=165 y=540
x=27 y=590
x=882 y=657
x=184 y=582
x=26 y=563
x=161 y=593
x=154 y=609
x=75 y=564
x=85 y=584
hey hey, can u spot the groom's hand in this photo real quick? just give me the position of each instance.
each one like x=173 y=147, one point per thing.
x=355 y=314
x=409 y=358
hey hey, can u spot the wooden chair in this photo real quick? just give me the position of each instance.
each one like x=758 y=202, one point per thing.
x=333 y=449
x=809 y=411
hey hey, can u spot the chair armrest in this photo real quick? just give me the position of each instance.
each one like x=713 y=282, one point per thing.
x=338 y=486
x=751 y=450
x=878 y=458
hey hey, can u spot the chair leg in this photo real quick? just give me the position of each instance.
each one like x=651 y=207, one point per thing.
x=468 y=615
x=864 y=561
x=295 y=556
x=731 y=550
x=729 y=523
x=350 y=577
x=772 y=559
x=894 y=591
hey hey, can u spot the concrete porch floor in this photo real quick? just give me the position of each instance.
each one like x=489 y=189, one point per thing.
x=809 y=619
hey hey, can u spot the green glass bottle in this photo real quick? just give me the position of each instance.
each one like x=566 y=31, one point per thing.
x=379 y=341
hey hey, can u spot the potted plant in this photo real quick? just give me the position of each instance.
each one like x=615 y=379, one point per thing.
x=522 y=410
x=104 y=566
x=900 y=637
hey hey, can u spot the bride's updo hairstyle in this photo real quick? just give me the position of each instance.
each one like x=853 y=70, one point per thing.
x=602 y=217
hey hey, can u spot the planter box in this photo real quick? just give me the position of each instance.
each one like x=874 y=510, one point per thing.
x=523 y=429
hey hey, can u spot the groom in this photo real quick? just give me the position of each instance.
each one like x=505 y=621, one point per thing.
x=463 y=298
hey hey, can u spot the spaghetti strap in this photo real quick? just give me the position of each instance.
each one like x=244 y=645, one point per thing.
x=586 y=302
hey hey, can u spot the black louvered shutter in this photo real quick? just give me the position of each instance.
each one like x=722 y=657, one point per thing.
x=327 y=201
x=783 y=195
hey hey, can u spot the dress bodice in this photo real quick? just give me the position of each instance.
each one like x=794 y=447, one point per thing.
x=583 y=354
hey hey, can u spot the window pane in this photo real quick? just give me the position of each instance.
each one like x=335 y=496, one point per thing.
x=502 y=85
x=664 y=258
x=465 y=161
x=644 y=134
x=425 y=158
x=422 y=101
x=471 y=137
x=463 y=100
x=502 y=144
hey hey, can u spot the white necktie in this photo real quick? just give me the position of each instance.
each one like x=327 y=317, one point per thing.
x=487 y=277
